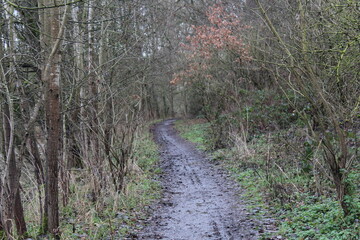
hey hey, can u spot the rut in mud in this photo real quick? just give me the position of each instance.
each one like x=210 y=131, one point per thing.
x=198 y=202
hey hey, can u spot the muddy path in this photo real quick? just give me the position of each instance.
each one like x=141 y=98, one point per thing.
x=199 y=201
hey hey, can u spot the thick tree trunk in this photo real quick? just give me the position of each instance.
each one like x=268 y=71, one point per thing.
x=52 y=33
x=53 y=119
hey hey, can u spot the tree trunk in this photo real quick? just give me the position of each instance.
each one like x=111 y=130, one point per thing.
x=12 y=210
x=52 y=33
x=95 y=163
x=76 y=125
x=19 y=215
x=10 y=180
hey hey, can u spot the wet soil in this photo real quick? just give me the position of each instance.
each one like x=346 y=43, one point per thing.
x=199 y=200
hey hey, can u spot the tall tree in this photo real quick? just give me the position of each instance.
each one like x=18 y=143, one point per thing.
x=12 y=210
x=52 y=31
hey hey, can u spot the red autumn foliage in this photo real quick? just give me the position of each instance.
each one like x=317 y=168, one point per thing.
x=221 y=35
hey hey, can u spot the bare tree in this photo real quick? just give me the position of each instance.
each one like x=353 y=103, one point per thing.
x=313 y=37
x=52 y=32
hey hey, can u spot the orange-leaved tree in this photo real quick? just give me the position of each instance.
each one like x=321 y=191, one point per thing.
x=218 y=42
x=216 y=57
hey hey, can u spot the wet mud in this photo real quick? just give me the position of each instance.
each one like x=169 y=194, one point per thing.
x=199 y=200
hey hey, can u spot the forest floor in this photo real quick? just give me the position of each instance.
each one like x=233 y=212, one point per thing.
x=199 y=200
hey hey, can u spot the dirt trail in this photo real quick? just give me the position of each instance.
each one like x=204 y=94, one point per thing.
x=199 y=201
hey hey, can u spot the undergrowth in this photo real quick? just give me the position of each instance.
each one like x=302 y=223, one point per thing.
x=113 y=215
x=277 y=179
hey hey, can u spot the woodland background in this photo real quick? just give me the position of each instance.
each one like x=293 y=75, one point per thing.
x=277 y=83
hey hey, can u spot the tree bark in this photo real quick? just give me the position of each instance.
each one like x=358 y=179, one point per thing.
x=52 y=33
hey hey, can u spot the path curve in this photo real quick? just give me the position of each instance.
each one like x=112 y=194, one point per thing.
x=199 y=202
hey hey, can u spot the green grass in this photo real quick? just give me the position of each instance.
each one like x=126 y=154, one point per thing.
x=193 y=132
